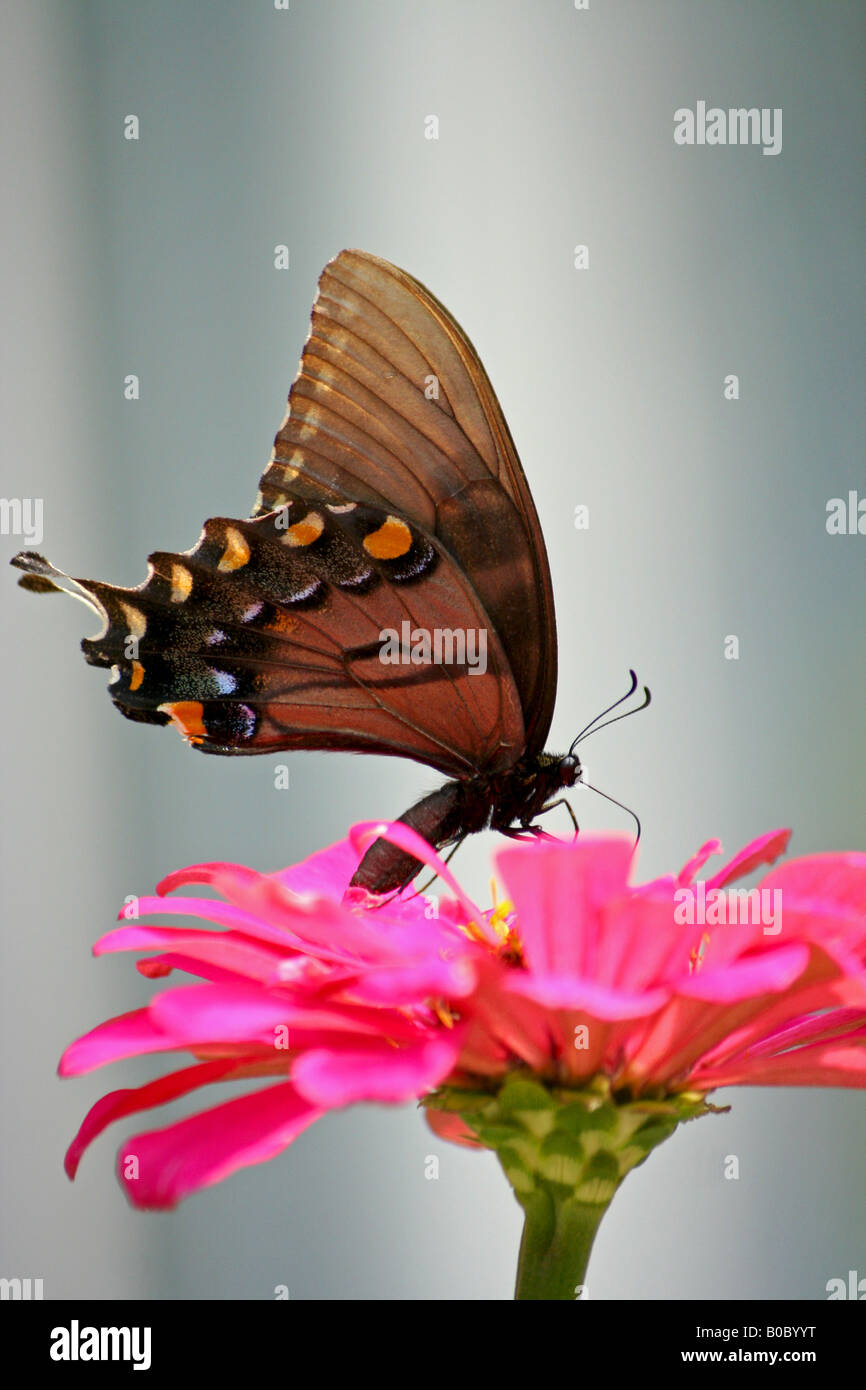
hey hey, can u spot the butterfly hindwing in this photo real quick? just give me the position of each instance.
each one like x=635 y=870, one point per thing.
x=268 y=635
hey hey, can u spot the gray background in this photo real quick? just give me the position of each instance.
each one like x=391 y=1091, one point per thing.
x=707 y=518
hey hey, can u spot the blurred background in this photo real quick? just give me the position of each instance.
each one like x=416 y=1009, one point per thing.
x=306 y=127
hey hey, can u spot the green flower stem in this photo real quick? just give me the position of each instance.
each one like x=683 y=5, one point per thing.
x=554 y=1251
x=565 y=1152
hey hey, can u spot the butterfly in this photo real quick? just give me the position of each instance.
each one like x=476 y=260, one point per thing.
x=390 y=592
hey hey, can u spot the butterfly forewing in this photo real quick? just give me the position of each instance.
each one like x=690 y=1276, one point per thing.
x=392 y=406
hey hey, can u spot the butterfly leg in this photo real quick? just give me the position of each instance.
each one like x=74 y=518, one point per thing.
x=447 y=860
x=567 y=804
x=520 y=832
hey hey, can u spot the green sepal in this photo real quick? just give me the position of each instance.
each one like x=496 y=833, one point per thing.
x=565 y=1152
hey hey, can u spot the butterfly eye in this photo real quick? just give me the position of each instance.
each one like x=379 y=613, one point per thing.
x=569 y=770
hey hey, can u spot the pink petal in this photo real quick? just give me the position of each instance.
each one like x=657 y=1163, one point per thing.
x=324 y=874
x=558 y=890
x=559 y=991
x=766 y=973
x=376 y=1071
x=821 y=997
x=764 y=850
x=203 y=1149
x=416 y=982
x=129 y=1035
x=203 y=873
x=697 y=862
x=215 y=910
x=118 y=1104
x=193 y=1014
x=232 y=951
x=321 y=927
x=446 y=1125
x=503 y=1025
x=839 y=1025
x=691 y=1030
x=640 y=945
x=831 y=880
x=157 y=967
x=824 y=1064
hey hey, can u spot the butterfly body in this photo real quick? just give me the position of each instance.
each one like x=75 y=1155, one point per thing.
x=508 y=802
x=394 y=502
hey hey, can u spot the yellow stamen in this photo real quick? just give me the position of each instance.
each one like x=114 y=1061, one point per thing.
x=443 y=1013
x=474 y=932
x=497 y=918
x=696 y=958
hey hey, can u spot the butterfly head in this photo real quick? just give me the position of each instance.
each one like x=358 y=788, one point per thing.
x=570 y=770
x=551 y=773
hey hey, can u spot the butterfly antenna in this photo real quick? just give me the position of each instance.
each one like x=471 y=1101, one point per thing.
x=593 y=727
x=632 y=688
x=634 y=815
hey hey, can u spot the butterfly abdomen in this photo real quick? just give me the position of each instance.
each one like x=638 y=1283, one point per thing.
x=437 y=818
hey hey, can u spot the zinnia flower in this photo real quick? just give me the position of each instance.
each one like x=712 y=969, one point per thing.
x=569 y=1028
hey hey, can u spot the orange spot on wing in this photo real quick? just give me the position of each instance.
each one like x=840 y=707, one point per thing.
x=188 y=716
x=137 y=675
x=306 y=531
x=236 y=553
x=135 y=619
x=283 y=623
x=181 y=583
x=392 y=539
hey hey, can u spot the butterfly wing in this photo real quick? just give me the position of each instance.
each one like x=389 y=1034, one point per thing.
x=392 y=407
x=268 y=635
x=394 y=501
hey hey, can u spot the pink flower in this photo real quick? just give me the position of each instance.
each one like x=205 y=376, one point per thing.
x=579 y=976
